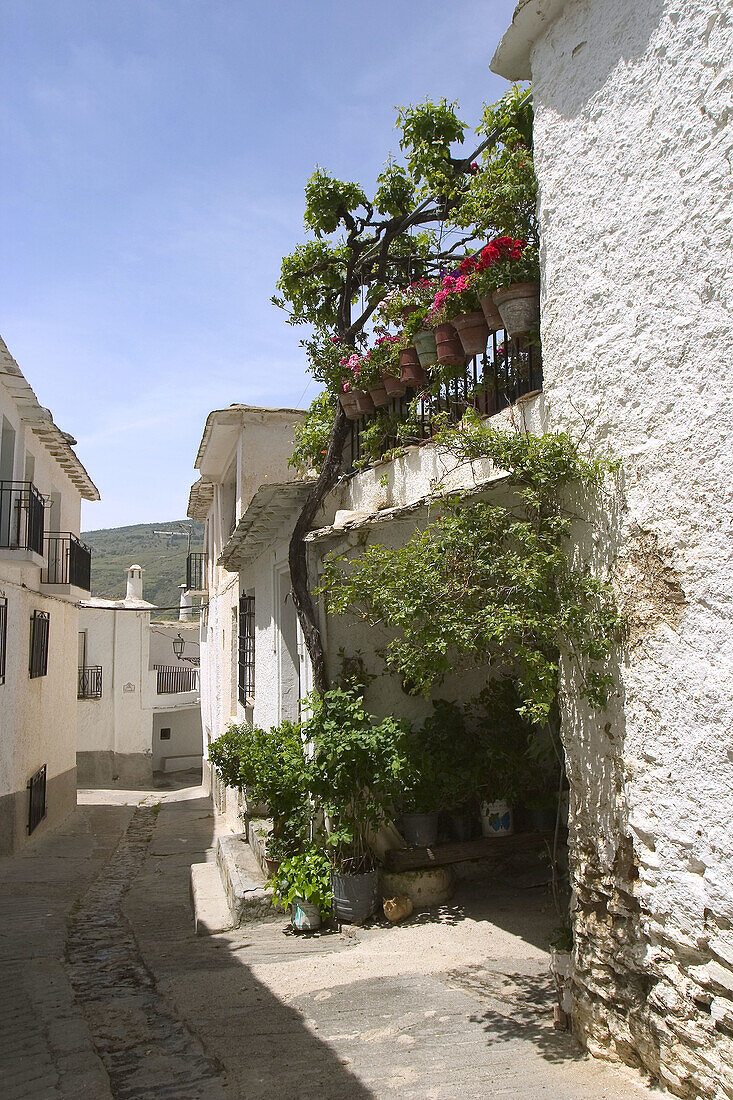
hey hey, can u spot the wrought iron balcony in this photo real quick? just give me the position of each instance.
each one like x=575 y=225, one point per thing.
x=69 y=561
x=488 y=383
x=89 y=685
x=195 y=572
x=21 y=516
x=173 y=679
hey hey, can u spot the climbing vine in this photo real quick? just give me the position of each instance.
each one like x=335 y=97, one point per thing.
x=490 y=583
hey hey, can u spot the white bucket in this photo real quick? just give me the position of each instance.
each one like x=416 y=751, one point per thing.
x=497 y=818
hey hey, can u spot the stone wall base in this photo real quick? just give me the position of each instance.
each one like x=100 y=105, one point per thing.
x=648 y=1000
x=60 y=802
x=114 y=769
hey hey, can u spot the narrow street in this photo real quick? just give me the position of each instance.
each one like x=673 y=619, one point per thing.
x=107 y=992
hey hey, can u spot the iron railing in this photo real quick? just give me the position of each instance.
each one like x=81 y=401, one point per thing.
x=195 y=572
x=3 y=636
x=68 y=561
x=38 y=650
x=172 y=679
x=246 y=670
x=489 y=383
x=36 y=798
x=89 y=684
x=21 y=516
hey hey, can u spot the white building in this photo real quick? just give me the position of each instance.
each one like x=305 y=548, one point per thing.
x=242 y=460
x=633 y=151
x=44 y=571
x=139 y=707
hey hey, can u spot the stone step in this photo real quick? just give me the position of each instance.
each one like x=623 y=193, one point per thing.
x=243 y=882
x=210 y=907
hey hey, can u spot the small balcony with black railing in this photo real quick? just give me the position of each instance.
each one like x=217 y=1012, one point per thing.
x=196 y=573
x=89 y=684
x=21 y=520
x=507 y=371
x=68 y=561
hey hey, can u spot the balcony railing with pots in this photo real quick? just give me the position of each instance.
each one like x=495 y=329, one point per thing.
x=89 y=685
x=21 y=516
x=196 y=572
x=68 y=561
x=173 y=679
x=508 y=370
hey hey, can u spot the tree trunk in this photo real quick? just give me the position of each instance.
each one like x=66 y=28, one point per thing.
x=297 y=554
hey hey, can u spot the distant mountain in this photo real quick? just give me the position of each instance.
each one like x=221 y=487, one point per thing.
x=160 y=548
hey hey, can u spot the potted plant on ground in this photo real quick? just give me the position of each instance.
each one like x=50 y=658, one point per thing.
x=504 y=736
x=357 y=766
x=302 y=884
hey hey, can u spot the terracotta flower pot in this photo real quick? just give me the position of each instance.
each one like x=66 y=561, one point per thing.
x=473 y=332
x=450 y=348
x=491 y=313
x=348 y=404
x=426 y=348
x=411 y=373
x=393 y=385
x=519 y=306
x=364 y=403
x=379 y=394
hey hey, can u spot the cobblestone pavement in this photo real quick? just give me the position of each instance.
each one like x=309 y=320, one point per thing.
x=107 y=995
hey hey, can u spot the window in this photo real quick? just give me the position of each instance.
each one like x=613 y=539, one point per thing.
x=3 y=635
x=165 y=733
x=246 y=648
x=38 y=656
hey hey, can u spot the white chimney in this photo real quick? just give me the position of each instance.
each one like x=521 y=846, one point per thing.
x=134 y=583
x=185 y=607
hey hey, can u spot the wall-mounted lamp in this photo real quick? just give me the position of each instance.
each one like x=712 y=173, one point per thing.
x=178 y=646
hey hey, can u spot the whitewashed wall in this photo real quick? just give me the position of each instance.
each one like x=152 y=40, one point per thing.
x=633 y=148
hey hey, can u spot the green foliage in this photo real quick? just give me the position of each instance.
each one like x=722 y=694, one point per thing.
x=428 y=130
x=329 y=202
x=273 y=767
x=311 y=278
x=444 y=762
x=395 y=192
x=380 y=437
x=305 y=875
x=357 y=772
x=501 y=198
x=312 y=434
x=507 y=740
x=489 y=583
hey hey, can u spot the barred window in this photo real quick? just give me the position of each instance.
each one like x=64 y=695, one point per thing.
x=3 y=635
x=38 y=656
x=246 y=648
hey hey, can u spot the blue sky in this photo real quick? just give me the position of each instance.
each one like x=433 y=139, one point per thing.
x=154 y=157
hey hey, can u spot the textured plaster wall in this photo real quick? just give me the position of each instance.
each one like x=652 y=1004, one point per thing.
x=634 y=154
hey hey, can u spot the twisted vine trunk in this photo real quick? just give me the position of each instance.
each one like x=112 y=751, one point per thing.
x=297 y=553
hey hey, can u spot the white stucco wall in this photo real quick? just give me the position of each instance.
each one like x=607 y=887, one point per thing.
x=633 y=150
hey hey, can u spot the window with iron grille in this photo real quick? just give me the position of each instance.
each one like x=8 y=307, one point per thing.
x=246 y=648
x=3 y=635
x=38 y=657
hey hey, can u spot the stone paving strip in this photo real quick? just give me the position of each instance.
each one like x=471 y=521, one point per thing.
x=147 y=1051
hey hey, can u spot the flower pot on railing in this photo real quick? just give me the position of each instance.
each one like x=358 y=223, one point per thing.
x=364 y=403
x=394 y=386
x=426 y=348
x=449 y=346
x=379 y=395
x=519 y=306
x=491 y=313
x=473 y=332
x=348 y=404
x=411 y=373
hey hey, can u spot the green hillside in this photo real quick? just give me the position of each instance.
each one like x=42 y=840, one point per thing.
x=160 y=548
